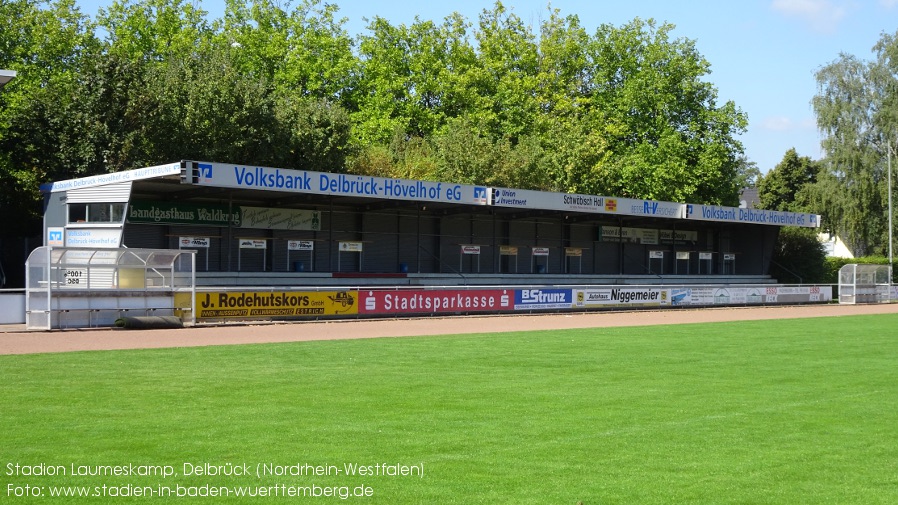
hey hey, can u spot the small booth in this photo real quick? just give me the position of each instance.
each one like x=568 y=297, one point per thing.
x=252 y=246
x=80 y=287
x=203 y=243
x=865 y=283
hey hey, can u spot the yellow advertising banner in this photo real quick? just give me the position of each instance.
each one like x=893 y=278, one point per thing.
x=255 y=304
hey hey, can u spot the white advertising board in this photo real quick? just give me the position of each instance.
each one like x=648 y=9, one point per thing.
x=103 y=179
x=300 y=245
x=198 y=242
x=754 y=216
x=225 y=175
x=350 y=247
x=248 y=243
x=749 y=295
x=98 y=238
x=642 y=297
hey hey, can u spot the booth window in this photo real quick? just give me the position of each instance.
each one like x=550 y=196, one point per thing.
x=96 y=212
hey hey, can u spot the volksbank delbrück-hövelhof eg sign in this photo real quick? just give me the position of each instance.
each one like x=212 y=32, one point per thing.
x=754 y=216
x=112 y=178
x=302 y=181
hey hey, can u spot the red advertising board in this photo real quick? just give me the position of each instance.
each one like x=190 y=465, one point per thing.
x=441 y=301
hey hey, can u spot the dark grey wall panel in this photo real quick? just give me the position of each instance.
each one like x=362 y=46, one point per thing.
x=144 y=236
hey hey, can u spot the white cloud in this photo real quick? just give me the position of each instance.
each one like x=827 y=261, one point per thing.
x=777 y=123
x=888 y=4
x=787 y=124
x=821 y=15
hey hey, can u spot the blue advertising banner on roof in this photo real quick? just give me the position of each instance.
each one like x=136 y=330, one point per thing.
x=227 y=175
x=224 y=175
x=594 y=204
x=113 y=178
x=544 y=200
x=754 y=216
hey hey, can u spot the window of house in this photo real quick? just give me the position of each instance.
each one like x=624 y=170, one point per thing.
x=96 y=212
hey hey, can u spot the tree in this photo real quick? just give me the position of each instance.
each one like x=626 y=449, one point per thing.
x=314 y=133
x=622 y=112
x=154 y=30
x=668 y=137
x=749 y=175
x=855 y=107
x=571 y=133
x=505 y=80
x=412 y=78
x=784 y=187
x=45 y=43
x=799 y=257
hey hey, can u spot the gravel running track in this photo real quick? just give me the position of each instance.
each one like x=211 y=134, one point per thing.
x=15 y=340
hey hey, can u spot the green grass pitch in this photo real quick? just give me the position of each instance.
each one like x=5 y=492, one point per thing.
x=768 y=412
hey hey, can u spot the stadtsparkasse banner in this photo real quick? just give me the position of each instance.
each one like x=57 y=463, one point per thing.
x=437 y=301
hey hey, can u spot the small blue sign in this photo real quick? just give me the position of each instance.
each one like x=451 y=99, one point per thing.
x=54 y=237
x=480 y=195
x=543 y=299
x=205 y=170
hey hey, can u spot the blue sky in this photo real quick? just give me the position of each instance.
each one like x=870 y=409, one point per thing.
x=763 y=53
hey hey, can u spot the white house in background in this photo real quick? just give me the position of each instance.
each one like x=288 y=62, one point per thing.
x=834 y=246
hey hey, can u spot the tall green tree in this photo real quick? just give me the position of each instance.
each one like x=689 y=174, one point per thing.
x=570 y=130
x=669 y=138
x=623 y=111
x=412 y=78
x=749 y=175
x=786 y=186
x=855 y=108
x=798 y=256
x=506 y=79
x=154 y=30
x=40 y=111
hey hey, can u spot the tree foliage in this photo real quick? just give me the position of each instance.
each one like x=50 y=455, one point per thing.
x=40 y=111
x=623 y=111
x=799 y=257
x=786 y=187
x=856 y=112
